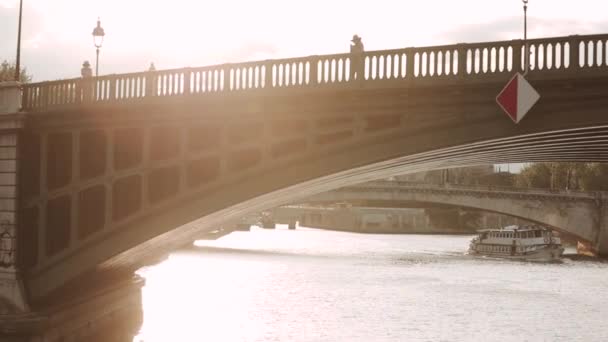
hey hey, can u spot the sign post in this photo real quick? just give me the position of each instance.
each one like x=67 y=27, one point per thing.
x=518 y=96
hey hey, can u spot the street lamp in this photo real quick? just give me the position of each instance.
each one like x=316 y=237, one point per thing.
x=18 y=61
x=526 y=47
x=98 y=34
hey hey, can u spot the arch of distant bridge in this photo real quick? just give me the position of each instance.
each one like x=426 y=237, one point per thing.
x=576 y=213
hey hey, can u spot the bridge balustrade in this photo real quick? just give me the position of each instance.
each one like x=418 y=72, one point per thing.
x=396 y=185
x=405 y=67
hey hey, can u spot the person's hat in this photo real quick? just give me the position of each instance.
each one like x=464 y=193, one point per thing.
x=356 y=38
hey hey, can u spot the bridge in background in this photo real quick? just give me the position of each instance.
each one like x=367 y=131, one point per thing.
x=103 y=175
x=579 y=214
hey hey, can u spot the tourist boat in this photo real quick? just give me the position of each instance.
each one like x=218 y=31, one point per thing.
x=531 y=243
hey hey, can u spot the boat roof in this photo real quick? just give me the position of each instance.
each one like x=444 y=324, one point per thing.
x=512 y=229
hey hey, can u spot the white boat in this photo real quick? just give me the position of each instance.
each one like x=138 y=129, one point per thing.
x=531 y=243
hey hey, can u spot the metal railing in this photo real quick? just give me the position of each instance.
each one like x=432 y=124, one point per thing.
x=460 y=62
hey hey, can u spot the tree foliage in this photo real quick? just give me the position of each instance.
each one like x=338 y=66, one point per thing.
x=500 y=179
x=564 y=176
x=7 y=73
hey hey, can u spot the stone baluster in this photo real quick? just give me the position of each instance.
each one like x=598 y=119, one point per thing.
x=516 y=62
x=462 y=60
x=187 y=75
x=575 y=42
x=313 y=72
x=268 y=75
x=410 y=54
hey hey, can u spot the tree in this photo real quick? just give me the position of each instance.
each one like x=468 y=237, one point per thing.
x=594 y=177
x=7 y=73
x=500 y=179
x=564 y=176
x=534 y=176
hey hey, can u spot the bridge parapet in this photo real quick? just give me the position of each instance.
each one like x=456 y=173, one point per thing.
x=492 y=188
x=385 y=186
x=478 y=62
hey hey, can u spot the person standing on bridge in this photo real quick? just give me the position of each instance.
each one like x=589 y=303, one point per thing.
x=356 y=59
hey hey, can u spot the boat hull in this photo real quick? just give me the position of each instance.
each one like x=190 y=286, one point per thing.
x=545 y=253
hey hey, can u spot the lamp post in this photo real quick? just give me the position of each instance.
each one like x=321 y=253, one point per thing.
x=526 y=48
x=18 y=61
x=98 y=34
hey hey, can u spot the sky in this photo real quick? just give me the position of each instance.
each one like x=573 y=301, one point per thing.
x=57 y=34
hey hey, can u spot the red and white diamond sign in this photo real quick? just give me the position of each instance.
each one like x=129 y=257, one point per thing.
x=517 y=97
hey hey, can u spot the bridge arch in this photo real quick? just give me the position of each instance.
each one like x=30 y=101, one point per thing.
x=574 y=213
x=109 y=184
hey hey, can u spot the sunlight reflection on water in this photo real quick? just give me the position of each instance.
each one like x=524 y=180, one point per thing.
x=309 y=285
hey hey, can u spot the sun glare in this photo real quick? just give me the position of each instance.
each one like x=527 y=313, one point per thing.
x=172 y=313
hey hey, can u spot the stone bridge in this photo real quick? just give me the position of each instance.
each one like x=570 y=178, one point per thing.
x=103 y=175
x=581 y=214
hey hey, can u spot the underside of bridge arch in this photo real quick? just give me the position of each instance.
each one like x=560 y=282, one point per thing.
x=110 y=188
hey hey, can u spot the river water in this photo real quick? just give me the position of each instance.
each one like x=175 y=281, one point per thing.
x=314 y=285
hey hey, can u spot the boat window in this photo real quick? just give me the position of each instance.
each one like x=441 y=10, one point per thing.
x=537 y=233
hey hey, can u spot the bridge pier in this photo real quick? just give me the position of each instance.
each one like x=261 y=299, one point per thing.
x=84 y=314
x=602 y=246
x=110 y=314
x=602 y=239
x=12 y=294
